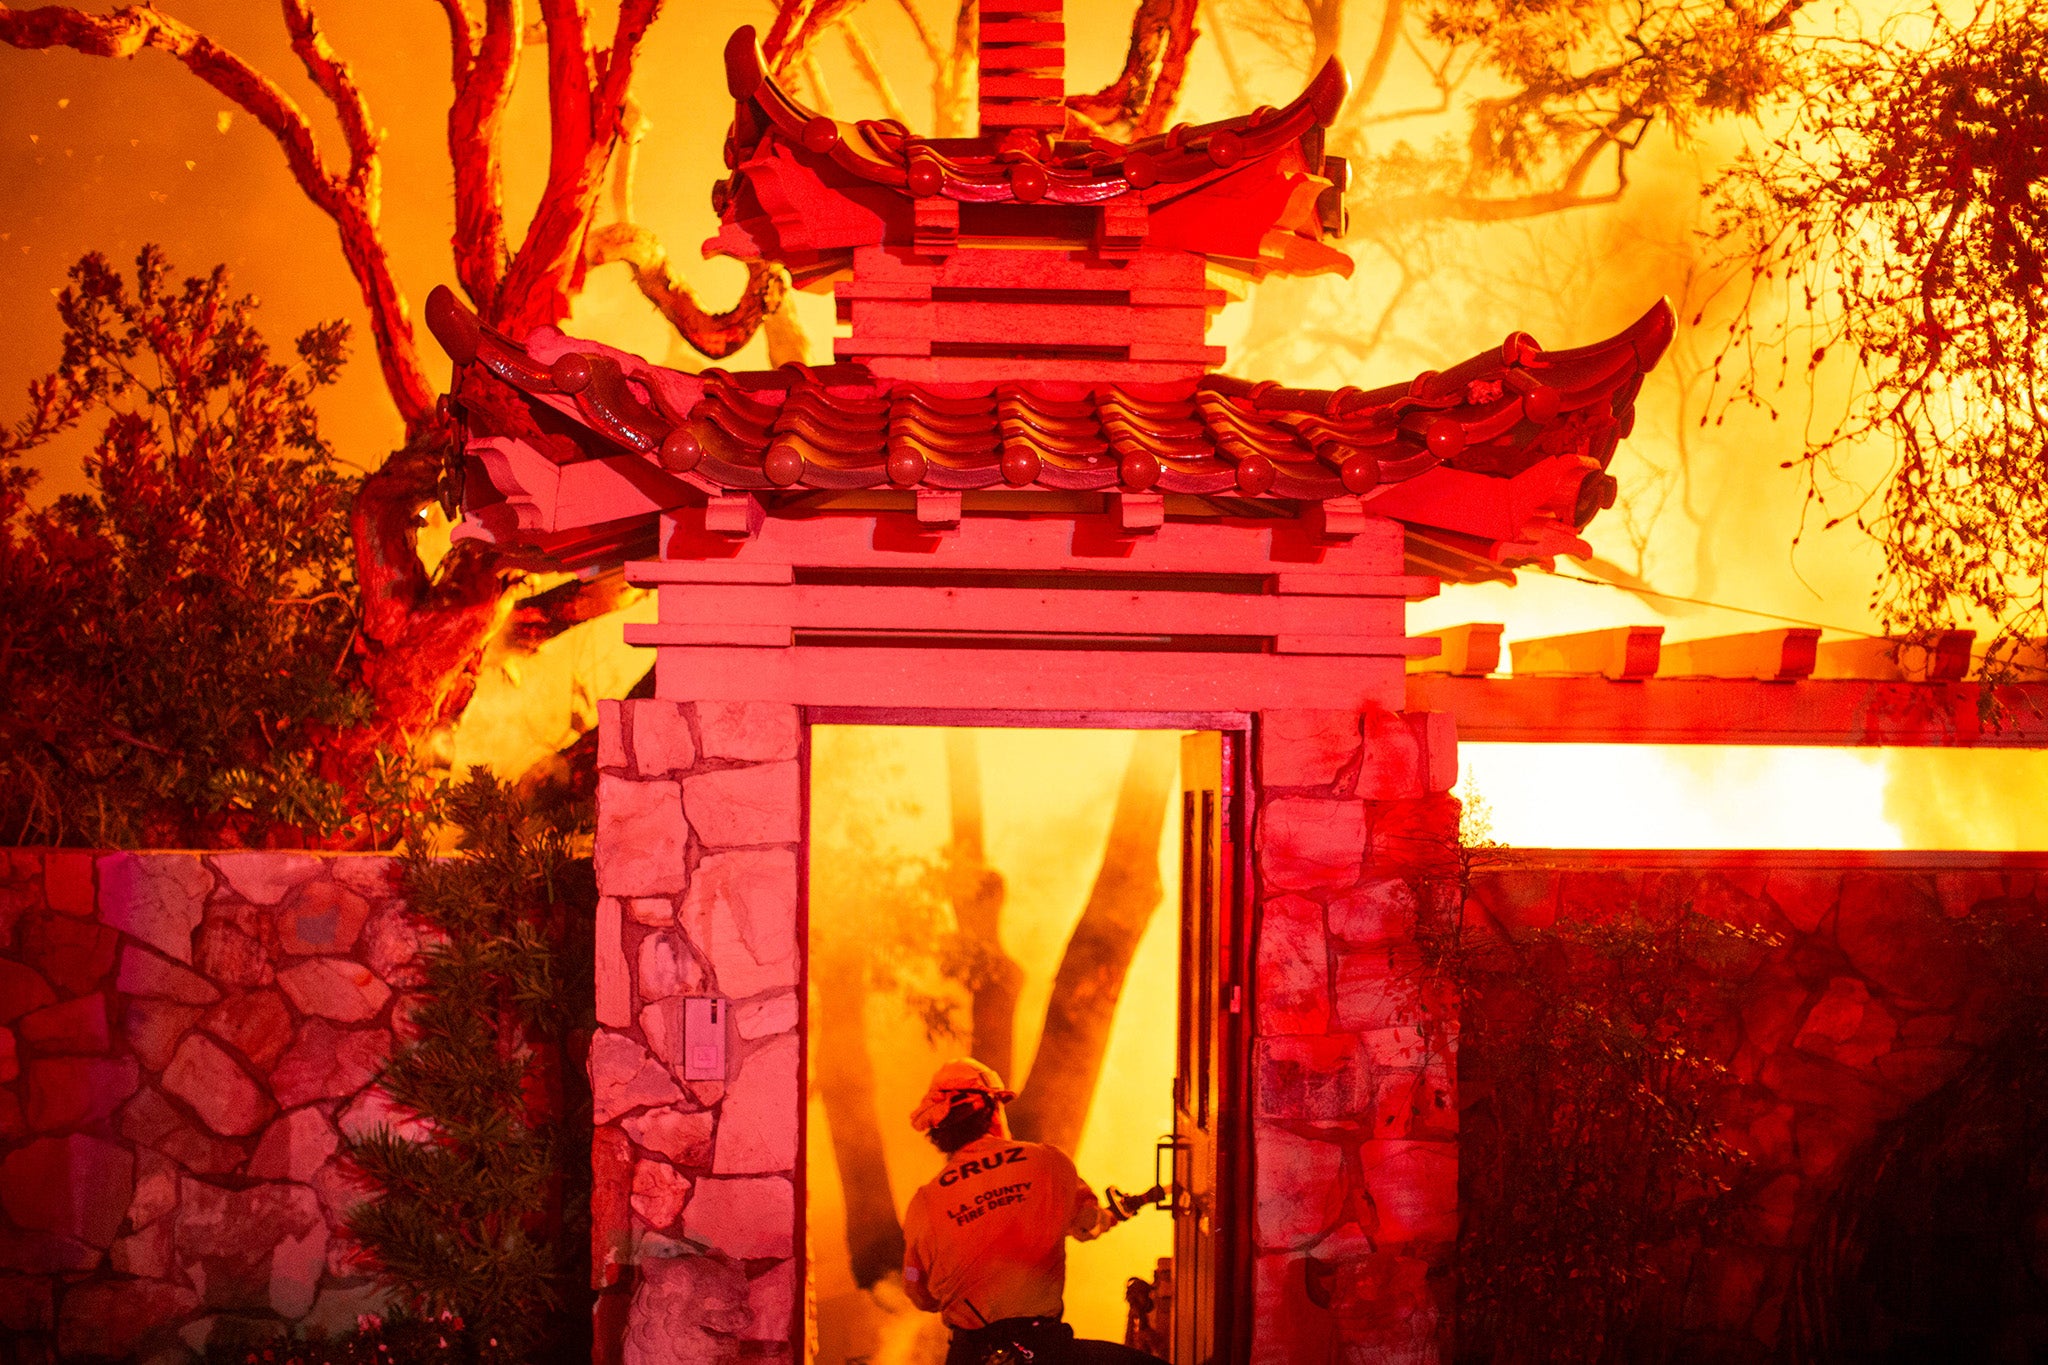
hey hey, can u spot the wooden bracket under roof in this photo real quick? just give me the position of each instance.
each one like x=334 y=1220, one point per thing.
x=1762 y=655
x=1621 y=653
x=1470 y=651
x=1944 y=656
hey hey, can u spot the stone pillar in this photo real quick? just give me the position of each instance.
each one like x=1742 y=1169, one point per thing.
x=695 y=1215
x=1354 y=1117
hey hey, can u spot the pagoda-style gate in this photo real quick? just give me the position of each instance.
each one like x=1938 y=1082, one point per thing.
x=1020 y=496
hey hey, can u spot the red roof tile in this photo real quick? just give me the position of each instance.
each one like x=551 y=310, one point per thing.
x=1509 y=446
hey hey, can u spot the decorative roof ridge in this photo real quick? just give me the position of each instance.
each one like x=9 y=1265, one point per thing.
x=1022 y=167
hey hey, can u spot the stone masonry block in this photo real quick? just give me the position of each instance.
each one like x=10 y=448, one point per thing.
x=757 y=731
x=1415 y=838
x=74 y=955
x=67 y=1092
x=741 y=806
x=218 y=1236
x=757 y=1125
x=1395 y=764
x=77 y=1187
x=67 y=883
x=255 y=1024
x=321 y=917
x=1388 y=1308
x=1312 y=1080
x=1299 y=1187
x=659 y=1192
x=661 y=738
x=771 y=1300
x=335 y=988
x=743 y=1218
x=745 y=903
x=1804 y=896
x=1438 y=733
x=1414 y=1188
x=1287 y=1326
x=614 y=981
x=656 y=912
x=1306 y=748
x=683 y=1137
x=611 y=1192
x=1293 y=968
x=263 y=876
x=641 y=837
x=78 y=1025
x=759 y=1018
x=1892 y=930
x=1306 y=844
x=22 y=989
x=1378 y=912
x=1380 y=987
x=611 y=735
x=204 y=1076
x=152 y=1029
x=157 y=897
x=295 y=1146
x=624 y=1077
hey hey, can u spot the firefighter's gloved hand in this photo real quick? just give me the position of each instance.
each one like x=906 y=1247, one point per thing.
x=1122 y=1206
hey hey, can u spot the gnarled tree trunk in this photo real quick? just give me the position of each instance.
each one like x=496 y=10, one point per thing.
x=978 y=892
x=1053 y=1104
x=846 y=1084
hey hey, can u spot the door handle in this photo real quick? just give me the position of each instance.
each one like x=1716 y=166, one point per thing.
x=1178 y=1199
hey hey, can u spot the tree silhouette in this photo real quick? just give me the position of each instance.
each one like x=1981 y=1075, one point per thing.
x=1905 y=206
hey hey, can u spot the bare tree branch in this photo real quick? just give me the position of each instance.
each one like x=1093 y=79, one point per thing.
x=1567 y=194
x=586 y=102
x=715 y=334
x=483 y=85
x=537 y=619
x=338 y=83
x=798 y=26
x=1374 y=73
x=871 y=70
x=950 y=106
x=461 y=38
x=349 y=200
x=1141 y=99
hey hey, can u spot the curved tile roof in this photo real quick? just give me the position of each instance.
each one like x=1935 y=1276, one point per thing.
x=1510 y=445
x=805 y=188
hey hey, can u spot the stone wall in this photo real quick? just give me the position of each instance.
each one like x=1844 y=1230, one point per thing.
x=183 y=1039
x=1355 y=1122
x=698 y=1190
x=1872 y=999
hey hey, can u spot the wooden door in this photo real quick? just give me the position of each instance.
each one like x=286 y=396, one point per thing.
x=1210 y=1156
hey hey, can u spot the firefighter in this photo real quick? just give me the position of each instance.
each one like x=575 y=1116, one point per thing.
x=985 y=1241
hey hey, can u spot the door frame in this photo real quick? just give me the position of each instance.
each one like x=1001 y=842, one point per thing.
x=1234 y=1332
